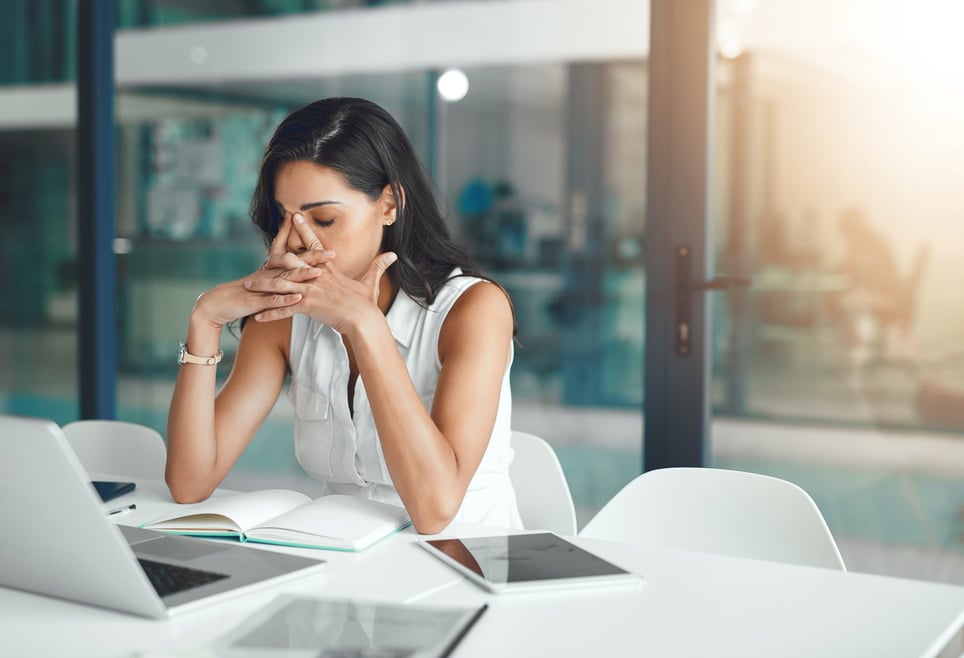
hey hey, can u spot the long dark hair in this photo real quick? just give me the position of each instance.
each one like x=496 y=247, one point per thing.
x=362 y=142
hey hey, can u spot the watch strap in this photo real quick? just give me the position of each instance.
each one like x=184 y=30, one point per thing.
x=183 y=356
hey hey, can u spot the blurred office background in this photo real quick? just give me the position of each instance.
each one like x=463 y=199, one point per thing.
x=836 y=154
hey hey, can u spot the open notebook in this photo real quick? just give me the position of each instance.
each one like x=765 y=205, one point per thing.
x=288 y=518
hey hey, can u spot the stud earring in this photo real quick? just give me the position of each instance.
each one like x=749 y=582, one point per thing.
x=390 y=222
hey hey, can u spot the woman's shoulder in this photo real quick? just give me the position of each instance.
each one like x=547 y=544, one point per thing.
x=463 y=300
x=480 y=302
x=455 y=286
x=480 y=322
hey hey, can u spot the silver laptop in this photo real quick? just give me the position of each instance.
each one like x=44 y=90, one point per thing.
x=58 y=541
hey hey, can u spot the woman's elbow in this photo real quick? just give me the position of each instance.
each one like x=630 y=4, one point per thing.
x=431 y=526
x=184 y=490
x=435 y=517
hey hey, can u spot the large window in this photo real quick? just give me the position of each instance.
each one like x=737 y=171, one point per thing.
x=38 y=252
x=837 y=149
x=559 y=225
x=191 y=165
x=543 y=170
x=540 y=167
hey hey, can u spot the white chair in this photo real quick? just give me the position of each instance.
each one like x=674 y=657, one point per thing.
x=541 y=490
x=118 y=448
x=719 y=511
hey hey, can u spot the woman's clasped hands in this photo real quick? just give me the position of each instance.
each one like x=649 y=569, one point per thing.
x=307 y=281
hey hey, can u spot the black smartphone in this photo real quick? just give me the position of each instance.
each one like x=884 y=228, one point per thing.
x=111 y=490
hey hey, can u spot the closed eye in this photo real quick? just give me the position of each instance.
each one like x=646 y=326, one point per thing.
x=324 y=223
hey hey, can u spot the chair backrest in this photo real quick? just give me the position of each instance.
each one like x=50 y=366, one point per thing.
x=719 y=511
x=541 y=490
x=118 y=448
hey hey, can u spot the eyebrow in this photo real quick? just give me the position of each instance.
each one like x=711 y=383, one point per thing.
x=313 y=204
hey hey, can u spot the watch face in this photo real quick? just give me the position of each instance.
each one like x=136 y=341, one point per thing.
x=181 y=351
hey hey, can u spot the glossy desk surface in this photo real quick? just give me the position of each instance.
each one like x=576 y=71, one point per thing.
x=690 y=604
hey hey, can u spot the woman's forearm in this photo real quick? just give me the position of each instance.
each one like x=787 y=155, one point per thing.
x=206 y=434
x=191 y=435
x=423 y=466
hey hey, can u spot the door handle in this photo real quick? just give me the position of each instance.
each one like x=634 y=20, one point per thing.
x=685 y=287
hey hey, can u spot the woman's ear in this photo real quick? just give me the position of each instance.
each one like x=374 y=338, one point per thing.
x=390 y=206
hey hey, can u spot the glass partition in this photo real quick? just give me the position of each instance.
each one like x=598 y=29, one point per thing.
x=190 y=166
x=38 y=278
x=841 y=367
x=556 y=218
x=543 y=171
x=503 y=163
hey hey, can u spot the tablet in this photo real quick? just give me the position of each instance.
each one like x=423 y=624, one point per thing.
x=528 y=562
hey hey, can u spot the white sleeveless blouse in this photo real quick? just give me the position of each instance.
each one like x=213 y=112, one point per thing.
x=344 y=451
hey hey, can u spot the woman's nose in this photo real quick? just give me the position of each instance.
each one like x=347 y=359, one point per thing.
x=295 y=243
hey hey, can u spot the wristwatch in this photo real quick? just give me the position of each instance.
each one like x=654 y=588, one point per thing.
x=183 y=356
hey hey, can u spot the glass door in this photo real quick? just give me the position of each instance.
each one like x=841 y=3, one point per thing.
x=836 y=157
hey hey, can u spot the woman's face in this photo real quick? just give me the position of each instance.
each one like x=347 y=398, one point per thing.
x=344 y=219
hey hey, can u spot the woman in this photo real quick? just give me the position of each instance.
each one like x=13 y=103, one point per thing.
x=397 y=348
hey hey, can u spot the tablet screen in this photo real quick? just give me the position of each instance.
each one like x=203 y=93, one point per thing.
x=508 y=560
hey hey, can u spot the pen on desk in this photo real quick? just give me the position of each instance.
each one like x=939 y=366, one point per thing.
x=125 y=508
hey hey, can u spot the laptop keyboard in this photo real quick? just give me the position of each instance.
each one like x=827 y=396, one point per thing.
x=170 y=579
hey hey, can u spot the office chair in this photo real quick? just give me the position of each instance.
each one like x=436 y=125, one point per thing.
x=719 y=511
x=118 y=448
x=541 y=490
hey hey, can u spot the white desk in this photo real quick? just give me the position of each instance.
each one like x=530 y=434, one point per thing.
x=691 y=604
x=695 y=604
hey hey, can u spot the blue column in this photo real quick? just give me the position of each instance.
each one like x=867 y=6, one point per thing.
x=97 y=333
